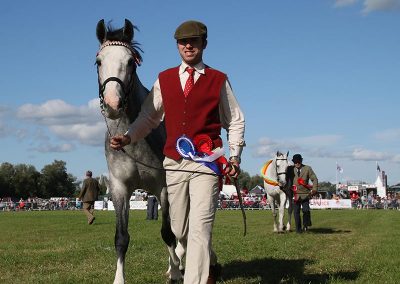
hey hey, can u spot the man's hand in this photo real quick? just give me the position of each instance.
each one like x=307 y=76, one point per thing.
x=117 y=142
x=313 y=192
x=233 y=169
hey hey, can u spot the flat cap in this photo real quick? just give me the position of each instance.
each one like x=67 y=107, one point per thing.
x=191 y=29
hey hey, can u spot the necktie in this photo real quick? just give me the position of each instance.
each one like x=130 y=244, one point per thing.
x=298 y=172
x=189 y=82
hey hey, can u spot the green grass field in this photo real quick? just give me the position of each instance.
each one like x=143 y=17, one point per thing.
x=343 y=246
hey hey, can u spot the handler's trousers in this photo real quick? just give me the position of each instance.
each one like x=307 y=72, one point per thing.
x=304 y=204
x=193 y=202
x=88 y=210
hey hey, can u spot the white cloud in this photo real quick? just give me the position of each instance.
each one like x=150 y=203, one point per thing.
x=58 y=112
x=371 y=5
x=48 y=148
x=86 y=134
x=344 y=3
x=72 y=123
x=3 y=130
x=380 y=5
x=388 y=135
x=267 y=147
x=319 y=140
x=369 y=155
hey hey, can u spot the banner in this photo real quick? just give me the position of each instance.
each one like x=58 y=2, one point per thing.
x=317 y=203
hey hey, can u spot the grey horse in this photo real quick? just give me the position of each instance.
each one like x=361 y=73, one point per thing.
x=139 y=165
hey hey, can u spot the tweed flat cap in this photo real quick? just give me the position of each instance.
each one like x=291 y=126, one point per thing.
x=190 y=29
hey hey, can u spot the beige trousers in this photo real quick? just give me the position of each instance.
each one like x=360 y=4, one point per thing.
x=88 y=210
x=193 y=202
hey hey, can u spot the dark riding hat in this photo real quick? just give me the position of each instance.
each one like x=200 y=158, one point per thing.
x=297 y=158
x=190 y=29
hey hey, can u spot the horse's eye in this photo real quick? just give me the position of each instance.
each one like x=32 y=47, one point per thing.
x=130 y=62
x=98 y=62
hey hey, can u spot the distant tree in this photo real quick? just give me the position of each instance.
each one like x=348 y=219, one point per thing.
x=256 y=180
x=55 y=181
x=26 y=181
x=103 y=181
x=327 y=186
x=6 y=180
x=243 y=179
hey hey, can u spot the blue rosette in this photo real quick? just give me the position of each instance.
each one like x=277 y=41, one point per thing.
x=187 y=150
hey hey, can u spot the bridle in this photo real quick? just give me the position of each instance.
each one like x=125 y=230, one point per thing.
x=276 y=168
x=126 y=89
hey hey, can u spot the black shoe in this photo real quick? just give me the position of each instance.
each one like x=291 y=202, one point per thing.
x=214 y=274
x=305 y=229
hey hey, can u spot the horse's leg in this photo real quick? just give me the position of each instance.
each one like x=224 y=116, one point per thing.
x=282 y=204
x=121 y=205
x=271 y=201
x=175 y=252
x=289 y=198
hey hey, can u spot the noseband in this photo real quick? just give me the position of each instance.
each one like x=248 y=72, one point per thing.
x=125 y=90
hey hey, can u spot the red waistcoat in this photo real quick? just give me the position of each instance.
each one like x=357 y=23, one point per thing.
x=196 y=114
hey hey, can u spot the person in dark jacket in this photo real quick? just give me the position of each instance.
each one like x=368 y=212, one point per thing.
x=152 y=207
x=302 y=192
x=89 y=194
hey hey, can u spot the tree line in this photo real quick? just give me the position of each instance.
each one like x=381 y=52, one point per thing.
x=23 y=181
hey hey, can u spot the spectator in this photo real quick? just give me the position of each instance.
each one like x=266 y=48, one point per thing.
x=89 y=194
x=152 y=207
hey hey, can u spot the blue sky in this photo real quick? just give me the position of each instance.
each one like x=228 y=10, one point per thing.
x=320 y=78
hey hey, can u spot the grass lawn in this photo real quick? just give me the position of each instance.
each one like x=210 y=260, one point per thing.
x=343 y=246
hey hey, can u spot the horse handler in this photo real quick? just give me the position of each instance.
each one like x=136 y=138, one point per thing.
x=195 y=101
x=302 y=192
x=88 y=195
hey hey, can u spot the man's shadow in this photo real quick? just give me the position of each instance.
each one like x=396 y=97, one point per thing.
x=271 y=270
x=327 y=231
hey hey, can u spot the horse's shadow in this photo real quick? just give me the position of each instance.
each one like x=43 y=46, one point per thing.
x=269 y=270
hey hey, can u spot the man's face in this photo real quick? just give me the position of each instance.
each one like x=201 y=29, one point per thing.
x=191 y=49
x=297 y=164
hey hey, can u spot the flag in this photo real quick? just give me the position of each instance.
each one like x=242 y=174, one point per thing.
x=378 y=168
x=339 y=168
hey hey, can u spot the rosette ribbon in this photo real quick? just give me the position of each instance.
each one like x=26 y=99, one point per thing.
x=200 y=151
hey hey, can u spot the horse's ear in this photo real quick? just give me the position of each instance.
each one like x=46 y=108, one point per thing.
x=287 y=155
x=128 y=31
x=101 y=31
x=278 y=153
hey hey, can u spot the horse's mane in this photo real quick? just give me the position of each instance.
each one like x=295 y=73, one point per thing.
x=114 y=34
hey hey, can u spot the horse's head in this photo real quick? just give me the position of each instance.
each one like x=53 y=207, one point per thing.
x=281 y=164
x=116 y=61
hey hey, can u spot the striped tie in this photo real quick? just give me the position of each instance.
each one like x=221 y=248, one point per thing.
x=189 y=82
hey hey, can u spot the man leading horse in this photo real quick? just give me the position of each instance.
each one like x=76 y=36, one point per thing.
x=195 y=101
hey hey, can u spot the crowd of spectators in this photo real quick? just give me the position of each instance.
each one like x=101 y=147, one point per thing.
x=250 y=201
x=259 y=201
x=373 y=201
x=55 y=203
